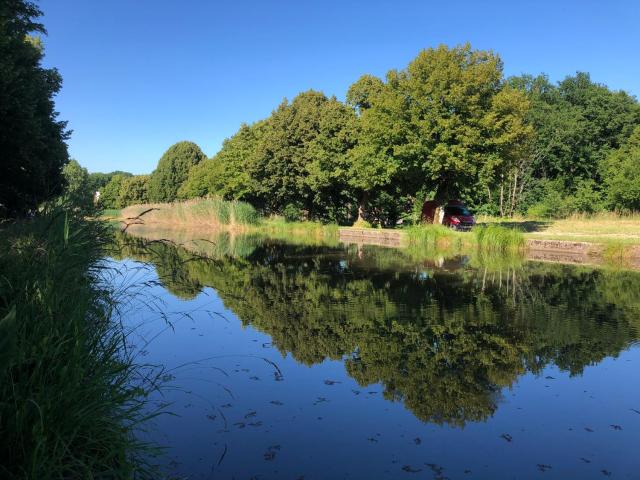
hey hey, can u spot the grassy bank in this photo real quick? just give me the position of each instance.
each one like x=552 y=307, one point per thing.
x=70 y=396
x=216 y=214
x=606 y=227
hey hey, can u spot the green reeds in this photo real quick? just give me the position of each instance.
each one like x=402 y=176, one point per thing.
x=497 y=238
x=70 y=393
x=437 y=236
x=210 y=212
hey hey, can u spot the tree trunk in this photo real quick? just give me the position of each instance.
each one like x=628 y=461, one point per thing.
x=513 y=196
x=502 y=195
x=362 y=206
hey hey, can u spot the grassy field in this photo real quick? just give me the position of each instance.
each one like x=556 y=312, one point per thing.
x=601 y=228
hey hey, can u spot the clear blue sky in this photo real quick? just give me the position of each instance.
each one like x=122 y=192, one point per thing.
x=140 y=75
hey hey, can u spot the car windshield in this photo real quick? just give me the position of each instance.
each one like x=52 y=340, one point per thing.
x=457 y=210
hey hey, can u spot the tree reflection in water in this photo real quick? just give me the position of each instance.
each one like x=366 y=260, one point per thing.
x=442 y=335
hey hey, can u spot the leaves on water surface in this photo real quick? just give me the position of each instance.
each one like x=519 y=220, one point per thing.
x=254 y=378
x=585 y=460
x=436 y=469
x=270 y=454
x=507 y=437
x=239 y=424
x=417 y=440
x=410 y=469
x=320 y=400
x=543 y=468
x=616 y=427
x=606 y=473
x=255 y=424
x=588 y=429
x=331 y=382
x=276 y=402
x=251 y=414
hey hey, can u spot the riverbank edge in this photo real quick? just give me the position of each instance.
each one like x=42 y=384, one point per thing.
x=72 y=395
x=560 y=251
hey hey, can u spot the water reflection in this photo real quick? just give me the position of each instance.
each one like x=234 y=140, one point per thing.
x=444 y=336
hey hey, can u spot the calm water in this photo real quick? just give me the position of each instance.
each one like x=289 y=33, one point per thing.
x=288 y=361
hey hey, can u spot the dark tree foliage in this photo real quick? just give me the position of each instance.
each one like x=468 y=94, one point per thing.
x=32 y=139
x=172 y=170
x=577 y=124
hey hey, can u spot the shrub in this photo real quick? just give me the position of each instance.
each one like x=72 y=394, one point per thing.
x=292 y=213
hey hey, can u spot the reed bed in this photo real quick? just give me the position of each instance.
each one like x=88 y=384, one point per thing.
x=71 y=395
x=498 y=238
x=211 y=212
x=493 y=238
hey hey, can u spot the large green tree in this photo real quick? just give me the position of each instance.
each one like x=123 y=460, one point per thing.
x=134 y=190
x=577 y=123
x=445 y=125
x=172 y=170
x=110 y=194
x=621 y=172
x=296 y=157
x=227 y=173
x=78 y=189
x=32 y=139
x=301 y=157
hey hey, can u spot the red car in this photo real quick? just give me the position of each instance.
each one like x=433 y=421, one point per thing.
x=454 y=214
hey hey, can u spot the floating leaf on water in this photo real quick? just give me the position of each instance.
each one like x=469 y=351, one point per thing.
x=507 y=437
x=410 y=469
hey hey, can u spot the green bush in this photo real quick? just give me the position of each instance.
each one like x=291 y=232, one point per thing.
x=292 y=213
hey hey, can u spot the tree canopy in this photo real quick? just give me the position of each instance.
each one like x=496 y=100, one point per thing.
x=447 y=126
x=172 y=170
x=32 y=138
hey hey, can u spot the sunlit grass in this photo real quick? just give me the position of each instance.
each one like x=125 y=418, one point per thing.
x=210 y=212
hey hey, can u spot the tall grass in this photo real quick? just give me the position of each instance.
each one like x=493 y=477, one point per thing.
x=489 y=238
x=436 y=236
x=279 y=228
x=497 y=238
x=207 y=212
x=70 y=394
